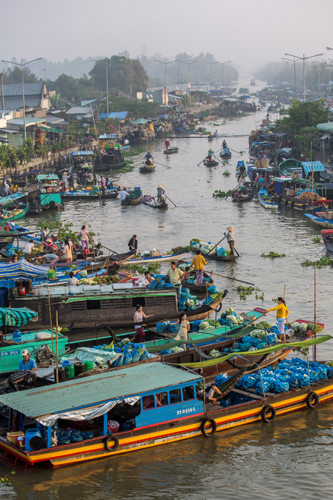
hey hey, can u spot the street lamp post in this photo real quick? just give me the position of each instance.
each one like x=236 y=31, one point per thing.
x=294 y=60
x=222 y=72
x=165 y=75
x=303 y=58
x=22 y=65
x=189 y=63
x=211 y=74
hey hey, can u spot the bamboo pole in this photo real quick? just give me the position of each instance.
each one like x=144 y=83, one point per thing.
x=284 y=292
x=230 y=278
x=315 y=311
x=57 y=357
x=50 y=313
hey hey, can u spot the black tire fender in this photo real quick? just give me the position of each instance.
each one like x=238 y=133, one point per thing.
x=111 y=443
x=312 y=400
x=267 y=413
x=219 y=307
x=203 y=424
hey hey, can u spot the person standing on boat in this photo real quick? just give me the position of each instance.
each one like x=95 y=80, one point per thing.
x=149 y=158
x=6 y=187
x=138 y=318
x=68 y=254
x=84 y=238
x=45 y=233
x=230 y=239
x=133 y=244
x=160 y=193
x=224 y=144
x=123 y=194
x=282 y=313
x=184 y=328
x=210 y=155
x=167 y=144
x=103 y=185
x=8 y=227
x=199 y=262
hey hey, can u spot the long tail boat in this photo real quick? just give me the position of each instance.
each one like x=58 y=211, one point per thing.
x=136 y=408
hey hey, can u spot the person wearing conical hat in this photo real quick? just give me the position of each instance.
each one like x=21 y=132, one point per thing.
x=160 y=193
x=230 y=239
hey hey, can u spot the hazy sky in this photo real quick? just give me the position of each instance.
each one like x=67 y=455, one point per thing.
x=247 y=32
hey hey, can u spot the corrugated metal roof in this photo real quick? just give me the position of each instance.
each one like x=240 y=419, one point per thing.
x=108 y=136
x=96 y=389
x=325 y=127
x=29 y=120
x=315 y=166
x=47 y=177
x=82 y=153
x=120 y=115
x=15 y=89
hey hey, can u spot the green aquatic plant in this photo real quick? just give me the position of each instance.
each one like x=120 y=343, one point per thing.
x=322 y=262
x=316 y=239
x=222 y=194
x=273 y=255
x=226 y=173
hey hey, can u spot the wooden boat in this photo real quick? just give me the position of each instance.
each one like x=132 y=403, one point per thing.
x=5 y=201
x=322 y=219
x=147 y=169
x=225 y=154
x=218 y=254
x=88 y=306
x=14 y=214
x=199 y=289
x=266 y=200
x=242 y=194
x=171 y=151
x=220 y=258
x=161 y=404
x=93 y=194
x=151 y=201
x=327 y=235
x=212 y=163
x=154 y=257
x=134 y=198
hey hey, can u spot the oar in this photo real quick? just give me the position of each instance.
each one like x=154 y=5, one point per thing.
x=229 y=278
x=201 y=162
x=236 y=252
x=210 y=251
x=217 y=159
x=168 y=166
x=170 y=200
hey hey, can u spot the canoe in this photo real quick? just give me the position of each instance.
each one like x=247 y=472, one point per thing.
x=265 y=200
x=157 y=395
x=219 y=258
x=327 y=235
x=142 y=259
x=12 y=198
x=212 y=163
x=150 y=201
x=321 y=220
x=134 y=199
x=17 y=213
x=242 y=194
x=171 y=151
x=85 y=194
x=225 y=156
x=147 y=169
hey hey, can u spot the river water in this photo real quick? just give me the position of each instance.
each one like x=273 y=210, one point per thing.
x=290 y=457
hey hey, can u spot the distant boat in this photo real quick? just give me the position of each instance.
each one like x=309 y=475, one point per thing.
x=171 y=151
x=147 y=169
x=327 y=235
x=151 y=201
x=266 y=200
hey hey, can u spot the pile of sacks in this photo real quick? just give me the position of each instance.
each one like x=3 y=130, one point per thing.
x=126 y=352
x=287 y=375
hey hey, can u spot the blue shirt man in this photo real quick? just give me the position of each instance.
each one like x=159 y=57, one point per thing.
x=27 y=364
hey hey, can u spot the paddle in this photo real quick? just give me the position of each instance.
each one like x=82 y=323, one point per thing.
x=210 y=251
x=201 y=162
x=170 y=200
x=229 y=278
x=216 y=158
x=236 y=252
x=168 y=166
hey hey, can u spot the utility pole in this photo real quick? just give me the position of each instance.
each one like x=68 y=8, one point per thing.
x=303 y=58
x=2 y=93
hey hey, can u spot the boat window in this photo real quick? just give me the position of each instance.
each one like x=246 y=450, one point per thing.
x=175 y=396
x=148 y=402
x=93 y=304
x=162 y=399
x=188 y=393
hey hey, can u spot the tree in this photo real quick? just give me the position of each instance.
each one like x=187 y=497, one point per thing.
x=123 y=74
x=303 y=115
x=15 y=75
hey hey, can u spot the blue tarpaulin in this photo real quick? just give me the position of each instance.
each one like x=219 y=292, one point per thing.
x=315 y=166
x=82 y=153
x=108 y=136
x=21 y=270
x=116 y=115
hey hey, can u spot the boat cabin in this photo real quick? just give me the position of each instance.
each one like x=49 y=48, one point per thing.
x=87 y=415
x=48 y=190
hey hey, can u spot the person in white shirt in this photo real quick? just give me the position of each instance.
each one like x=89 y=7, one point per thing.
x=123 y=194
x=72 y=281
x=29 y=247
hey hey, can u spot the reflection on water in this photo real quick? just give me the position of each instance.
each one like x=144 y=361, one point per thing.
x=289 y=457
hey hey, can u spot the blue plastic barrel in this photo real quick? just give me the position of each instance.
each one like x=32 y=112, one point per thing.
x=29 y=434
x=4 y=296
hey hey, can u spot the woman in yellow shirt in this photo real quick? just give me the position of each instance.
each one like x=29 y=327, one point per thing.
x=198 y=262
x=282 y=313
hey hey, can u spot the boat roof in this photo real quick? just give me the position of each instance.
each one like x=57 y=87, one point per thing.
x=96 y=389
